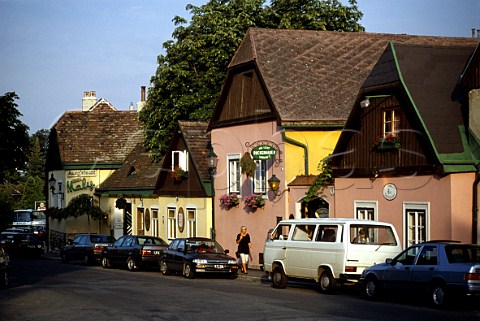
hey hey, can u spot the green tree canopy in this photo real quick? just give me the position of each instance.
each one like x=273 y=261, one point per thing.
x=32 y=192
x=13 y=135
x=189 y=77
x=82 y=204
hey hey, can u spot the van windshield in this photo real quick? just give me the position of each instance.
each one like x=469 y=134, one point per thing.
x=372 y=234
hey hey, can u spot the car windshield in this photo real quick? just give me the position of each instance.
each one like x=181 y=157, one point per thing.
x=151 y=240
x=204 y=246
x=463 y=253
x=102 y=239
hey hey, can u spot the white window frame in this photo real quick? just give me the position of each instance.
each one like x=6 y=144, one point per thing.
x=260 y=177
x=234 y=174
x=172 y=223
x=391 y=126
x=365 y=206
x=155 y=222
x=191 y=222
x=417 y=209
x=180 y=159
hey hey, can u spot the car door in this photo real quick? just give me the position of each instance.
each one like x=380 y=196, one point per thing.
x=276 y=246
x=425 y=268
x=114 y=251
x=298 y=253
x=397 y=275
x=77 y=247
x=179 y=255
x=169 y=253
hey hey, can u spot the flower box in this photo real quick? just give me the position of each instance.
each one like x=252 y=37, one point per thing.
x=229 y=200
x=254 y=201
x=387 y=143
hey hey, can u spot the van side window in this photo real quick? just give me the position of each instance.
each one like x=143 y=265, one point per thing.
x=303 y=233
x=281 y=232
x=372 y=234
x=327 y=233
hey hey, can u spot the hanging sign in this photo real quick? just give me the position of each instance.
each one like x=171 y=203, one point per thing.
x=263 y=152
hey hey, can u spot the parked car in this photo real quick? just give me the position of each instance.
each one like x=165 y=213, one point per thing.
x=23 y=244
x=327 y=251
x=440 y=269
x=4 y=268
x=197 y=255
x=86 y=247
x=134 y=251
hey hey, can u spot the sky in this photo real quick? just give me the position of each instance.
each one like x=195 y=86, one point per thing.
x=53 y=50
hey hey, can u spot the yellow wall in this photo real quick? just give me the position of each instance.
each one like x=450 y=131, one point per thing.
x=319 y=144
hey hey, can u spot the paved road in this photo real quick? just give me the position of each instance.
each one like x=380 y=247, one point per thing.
x=48 y=290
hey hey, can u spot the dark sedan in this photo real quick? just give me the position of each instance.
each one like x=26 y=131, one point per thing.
x=23 y=244
x=197 y=255
x=134 y=251
x=442 y=269
x=86 y=247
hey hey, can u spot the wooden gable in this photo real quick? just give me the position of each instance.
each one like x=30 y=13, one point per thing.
x=193 y=184
x=243 y=99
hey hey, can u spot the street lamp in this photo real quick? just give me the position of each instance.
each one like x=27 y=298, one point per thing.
x=212 y=169
x=274 y=183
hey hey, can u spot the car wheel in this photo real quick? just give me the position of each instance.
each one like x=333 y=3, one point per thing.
x=86 y=260
x=371 y=288
x=188 y=271
x=4 y=279
x=106 y=262
x=64 y=258
x=164 y=268
x=438 y=295
x=327 y=282
x=131 y=265
x=279 y=279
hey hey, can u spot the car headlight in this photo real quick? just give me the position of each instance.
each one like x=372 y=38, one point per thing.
x=200 y=261
x=232 y=262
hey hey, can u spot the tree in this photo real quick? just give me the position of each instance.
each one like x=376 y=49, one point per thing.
x=32 y=192
x=13 y=135
x=36 y=160
x=189 y=77
x=82 y=204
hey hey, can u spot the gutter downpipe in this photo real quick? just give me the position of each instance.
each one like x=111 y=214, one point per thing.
x=475 y=208
x=297 y=143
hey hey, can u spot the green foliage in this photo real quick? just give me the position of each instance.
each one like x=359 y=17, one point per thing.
x=13 y=135
x=248 y=165
x=32 y=191
x=189 y=77
x=323 y=179
x=36 y=160
x=83 y=204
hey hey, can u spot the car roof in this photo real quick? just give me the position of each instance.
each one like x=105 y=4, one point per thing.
x=333 y=221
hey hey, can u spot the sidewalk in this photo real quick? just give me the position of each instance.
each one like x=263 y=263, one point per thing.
x=253 y=275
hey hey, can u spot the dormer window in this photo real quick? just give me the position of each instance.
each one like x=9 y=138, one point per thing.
x=391 y=122
x=180 y=160
x=132 y=172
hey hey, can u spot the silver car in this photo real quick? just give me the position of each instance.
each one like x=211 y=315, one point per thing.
x=440 y=269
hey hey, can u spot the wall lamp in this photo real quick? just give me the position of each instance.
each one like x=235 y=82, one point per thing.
x=366 y=101
x=274 y=183
x=51 y=183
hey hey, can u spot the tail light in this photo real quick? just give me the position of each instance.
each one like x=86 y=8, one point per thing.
x=146 y=252
x=98 y=249
x=351 y=269
x=472 y=276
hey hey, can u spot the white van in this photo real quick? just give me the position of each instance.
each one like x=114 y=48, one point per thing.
x=328 y=251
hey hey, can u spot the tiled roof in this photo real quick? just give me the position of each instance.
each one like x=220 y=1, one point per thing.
x=138 y=171
x=197 y=139
x=99 y=136
x=313 y=77
x=303 y=180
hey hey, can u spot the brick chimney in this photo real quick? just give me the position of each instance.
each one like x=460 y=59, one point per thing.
x=89 y=99
x=141 y=103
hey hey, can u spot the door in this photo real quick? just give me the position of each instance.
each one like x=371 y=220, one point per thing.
x=397 y=276
x=298 y=251
x=425 y=268
x=276 y=245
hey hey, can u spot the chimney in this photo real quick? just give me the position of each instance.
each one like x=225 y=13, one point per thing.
x=142 y=102
x=89 y=99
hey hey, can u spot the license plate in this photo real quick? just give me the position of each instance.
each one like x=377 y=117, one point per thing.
x=219 y=266
x=156 y=252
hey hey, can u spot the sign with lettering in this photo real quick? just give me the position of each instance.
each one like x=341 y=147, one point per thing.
x=82 y=173
x=263 y=152
x=79 y=184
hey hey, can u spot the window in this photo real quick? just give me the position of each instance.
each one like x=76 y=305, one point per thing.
x=365 y=213
x=234 y=173
x=327 y=233
x=260 y=177
x=391 y=122
x=303 y=233
x=428 y=256
x=180 y=160
x=408 y=256
x=155 y=222
x=415 y=225
x=191 y=223
x=281 y=232
x=140 y=221
x=172 y=223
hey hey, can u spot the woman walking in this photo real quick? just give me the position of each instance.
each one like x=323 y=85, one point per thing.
x=244 y=247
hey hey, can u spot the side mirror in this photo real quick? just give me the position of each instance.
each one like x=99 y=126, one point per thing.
x=389 y=261
x=227 y=251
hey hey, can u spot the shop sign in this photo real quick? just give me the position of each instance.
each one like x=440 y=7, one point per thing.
x=264 y=152
x=79 y=184
x=82 y=173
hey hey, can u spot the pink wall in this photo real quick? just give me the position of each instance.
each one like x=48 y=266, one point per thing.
x=449 y=201
x=228 y=222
